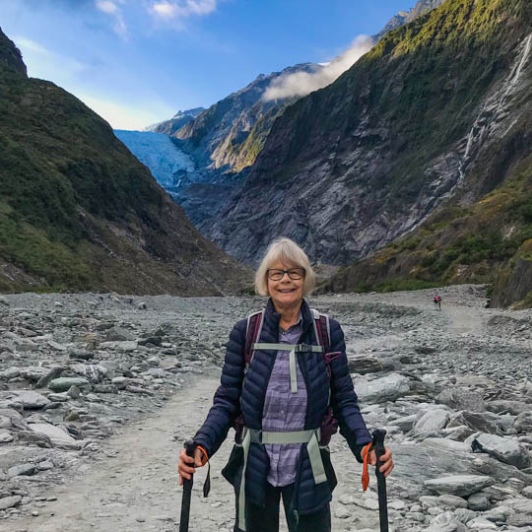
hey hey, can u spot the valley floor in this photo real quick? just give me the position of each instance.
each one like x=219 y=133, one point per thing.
x=131 y=483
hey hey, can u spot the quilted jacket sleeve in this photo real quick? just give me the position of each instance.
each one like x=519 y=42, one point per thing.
x=226 y=403
x=344 y=400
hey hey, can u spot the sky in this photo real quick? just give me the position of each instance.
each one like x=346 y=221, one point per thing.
x=138 y=62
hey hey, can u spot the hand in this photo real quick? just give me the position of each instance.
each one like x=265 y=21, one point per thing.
x=386 y=461
x=187 y=465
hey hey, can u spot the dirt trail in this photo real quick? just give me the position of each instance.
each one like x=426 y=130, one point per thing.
x=134 y=486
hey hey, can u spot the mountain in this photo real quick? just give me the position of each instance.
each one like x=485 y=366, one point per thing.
x=217 y=136
x=429 y=135
x=225 y=140
x=79 y=212
x=405 y=17
x=180 y=119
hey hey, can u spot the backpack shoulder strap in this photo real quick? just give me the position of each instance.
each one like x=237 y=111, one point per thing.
x=253 y=330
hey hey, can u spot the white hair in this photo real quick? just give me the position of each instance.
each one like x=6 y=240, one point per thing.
x=288 y=252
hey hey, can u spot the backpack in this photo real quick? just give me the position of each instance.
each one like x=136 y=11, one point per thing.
x=329 y=424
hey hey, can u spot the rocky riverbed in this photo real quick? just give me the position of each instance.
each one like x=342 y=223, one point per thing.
x=98 y=392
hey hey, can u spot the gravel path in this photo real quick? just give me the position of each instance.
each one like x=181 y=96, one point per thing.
x=134 y=485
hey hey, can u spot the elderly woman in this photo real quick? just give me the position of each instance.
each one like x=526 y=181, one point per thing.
x=277 y=399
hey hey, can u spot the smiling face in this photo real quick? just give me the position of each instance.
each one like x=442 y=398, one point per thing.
x=286 y=293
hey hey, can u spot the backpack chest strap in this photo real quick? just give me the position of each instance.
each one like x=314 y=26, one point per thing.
x=293 y=349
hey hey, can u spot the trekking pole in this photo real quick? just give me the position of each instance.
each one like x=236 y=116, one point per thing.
x=187 y=491
x=378 y=443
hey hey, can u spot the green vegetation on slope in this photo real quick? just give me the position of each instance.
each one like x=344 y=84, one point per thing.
x=78 y=211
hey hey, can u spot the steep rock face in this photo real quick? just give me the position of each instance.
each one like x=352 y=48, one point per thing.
x=404 y=17
x=79 y=212
x=226 y=139
x=217 y=136
x=180 y=119
x=10 y=57
x=419 y=119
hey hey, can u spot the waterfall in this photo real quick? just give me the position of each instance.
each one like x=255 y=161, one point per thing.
x=489 y=116
x=518 y=68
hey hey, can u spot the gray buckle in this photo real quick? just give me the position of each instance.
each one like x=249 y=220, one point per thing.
x=255 y=436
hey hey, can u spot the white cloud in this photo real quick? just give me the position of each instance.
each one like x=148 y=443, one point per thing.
x=113 y=9
x=180 y=9
x=302 y=83
x=107 y=6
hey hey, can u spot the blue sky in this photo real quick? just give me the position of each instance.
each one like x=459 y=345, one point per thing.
x=137 y=62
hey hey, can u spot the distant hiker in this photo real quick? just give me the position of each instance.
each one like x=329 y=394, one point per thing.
x=277 y=397
x=437 y=301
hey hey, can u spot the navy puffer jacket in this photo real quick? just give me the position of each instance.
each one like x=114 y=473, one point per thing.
x=237 y=395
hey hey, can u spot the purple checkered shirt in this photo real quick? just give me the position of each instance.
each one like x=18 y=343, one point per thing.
x=284 y=411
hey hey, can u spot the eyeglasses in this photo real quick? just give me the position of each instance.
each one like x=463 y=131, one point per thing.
x=294 y=273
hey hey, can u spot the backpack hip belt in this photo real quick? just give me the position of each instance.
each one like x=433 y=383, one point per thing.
x=310 y=437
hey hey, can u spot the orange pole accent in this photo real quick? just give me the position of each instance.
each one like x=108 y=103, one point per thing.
x=205 y=457
x=365 y=464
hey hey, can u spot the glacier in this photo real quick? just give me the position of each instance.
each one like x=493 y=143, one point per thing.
x=172 y=168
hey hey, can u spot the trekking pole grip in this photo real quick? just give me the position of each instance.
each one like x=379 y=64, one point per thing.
x=190 y=448
x=378 y=444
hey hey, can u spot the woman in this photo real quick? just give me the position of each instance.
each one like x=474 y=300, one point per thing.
x=282 y=396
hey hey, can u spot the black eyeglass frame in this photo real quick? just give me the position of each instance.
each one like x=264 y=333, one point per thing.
x=287 y=272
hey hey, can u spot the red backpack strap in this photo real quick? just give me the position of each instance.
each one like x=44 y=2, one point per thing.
x=322 y=328
x=324 y=332
x=329 y=425
x=253 y=330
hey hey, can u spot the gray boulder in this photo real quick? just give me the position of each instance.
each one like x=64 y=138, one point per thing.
x=503 y=406
x=446 y=522
x=388 y=388
x=63 y=384
x=59 y=437
x=507 y=450
x=461 y=399
x=523 y=422
x=363 y=364
x=430 y=424
x=29 y=399
x=460 y=485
